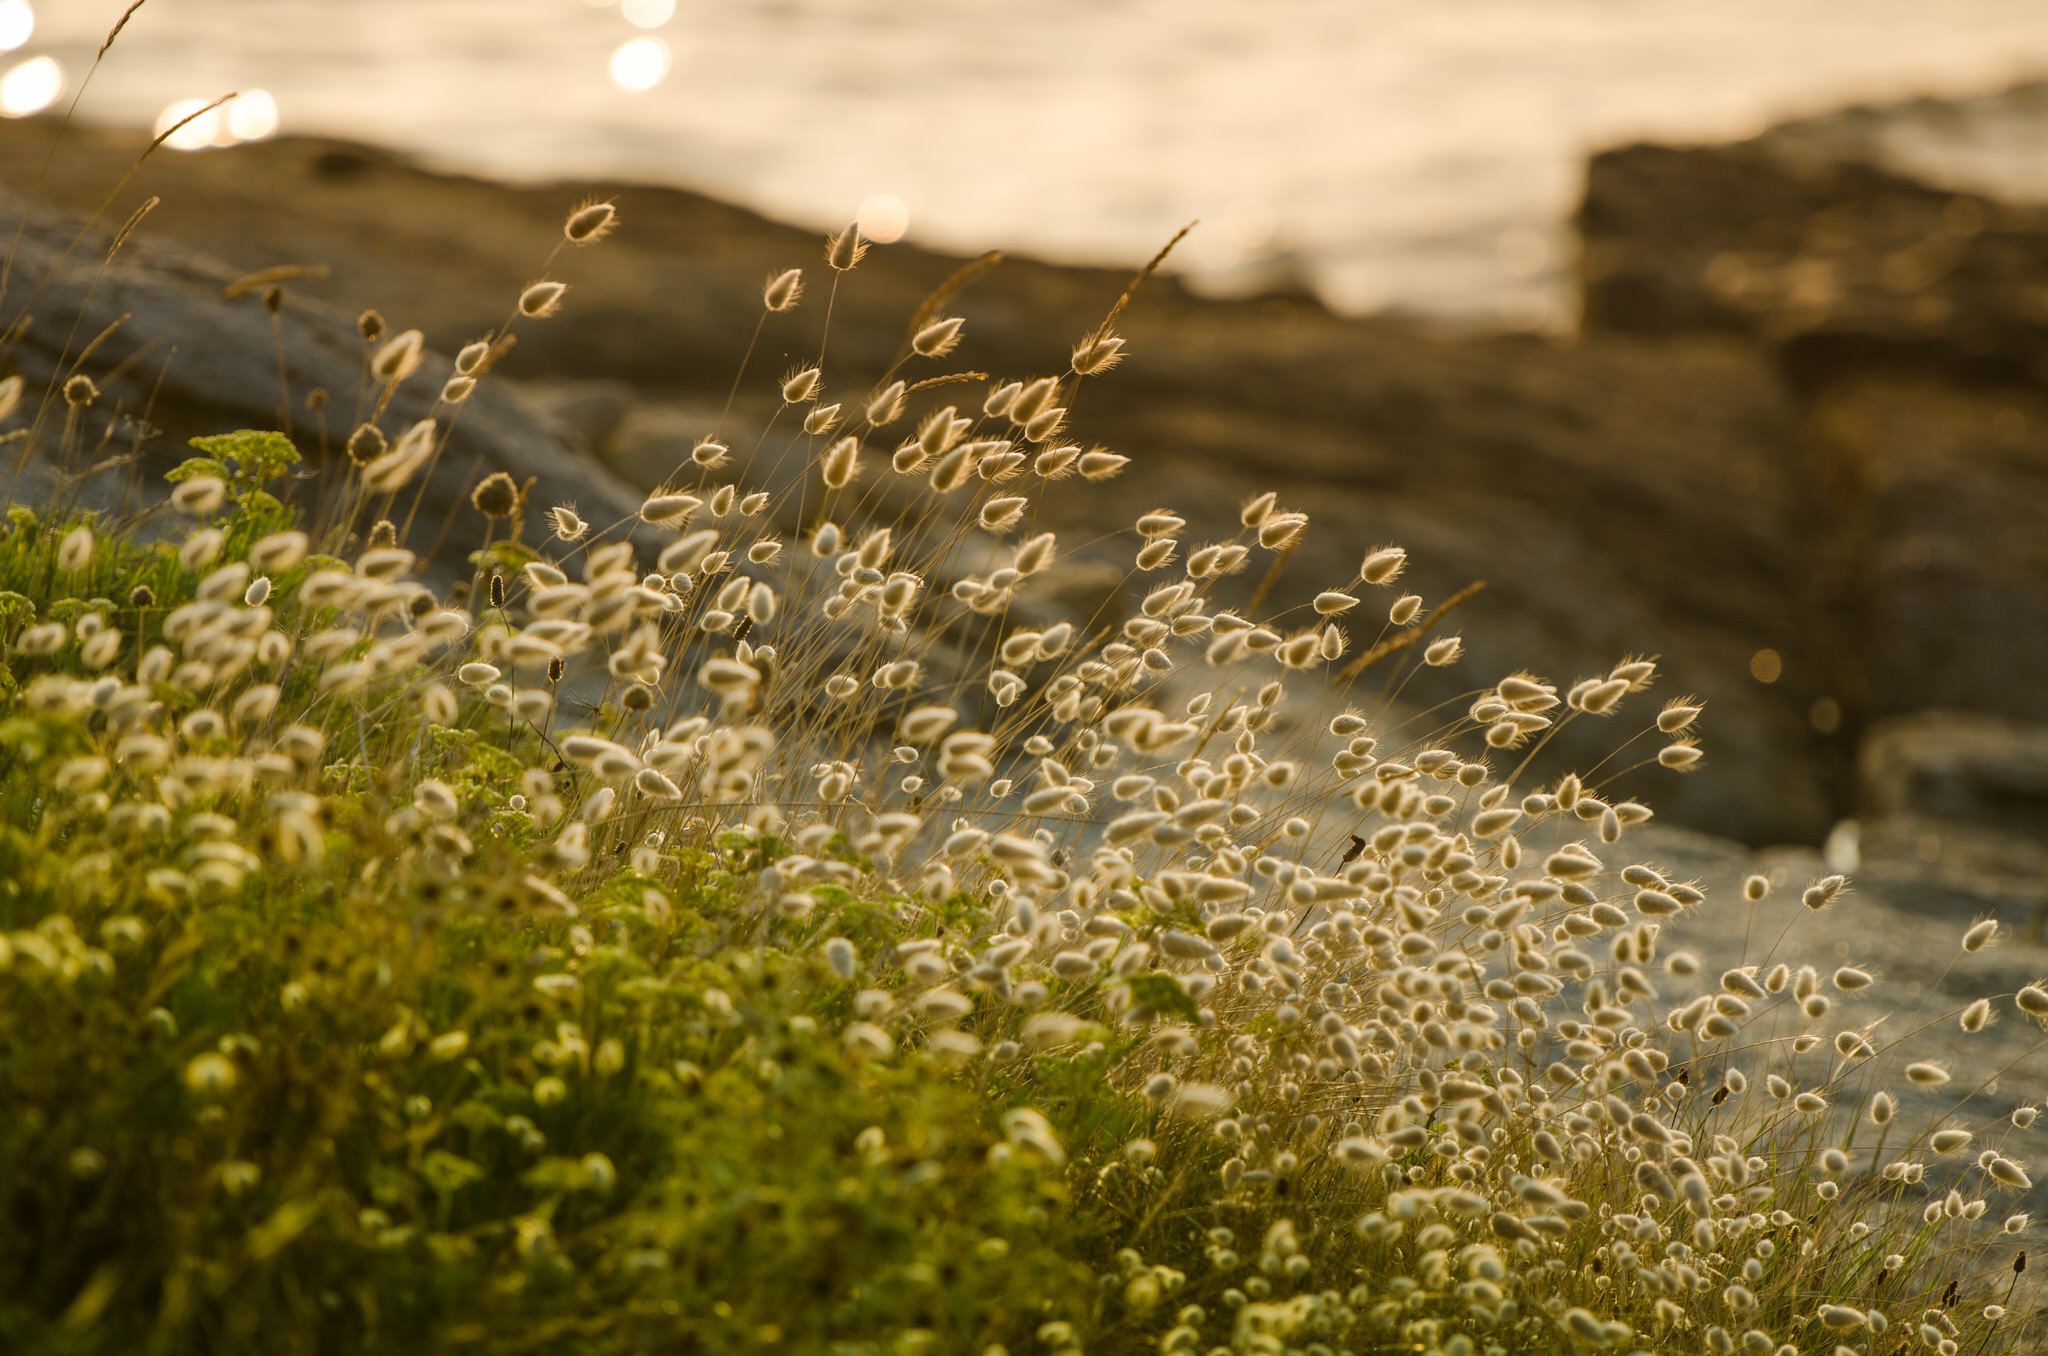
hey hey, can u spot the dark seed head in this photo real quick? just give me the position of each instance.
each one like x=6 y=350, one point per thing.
x=497 y=590
x=371 y=326
x=556 y=669
x=382 y=534
x=366 y=444
x=496 y=496
x=142 y=595
x=638 y=698
x=273 y=299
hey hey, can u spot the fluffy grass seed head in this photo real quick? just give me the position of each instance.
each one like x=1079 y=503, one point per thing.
x=565 y=524
x=74 y=553
x=1096 y=354
x=937 y=338
x=399 y=358
x=396 y=468
x=801 y=386
x=200 y=495
x=845 y=249
x=589 y=224
x=542 y=299
x=784 y=290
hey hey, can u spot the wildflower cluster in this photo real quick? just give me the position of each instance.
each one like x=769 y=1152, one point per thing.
x=768 y=921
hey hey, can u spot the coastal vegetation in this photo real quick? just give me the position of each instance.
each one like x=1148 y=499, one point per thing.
x=703 y=933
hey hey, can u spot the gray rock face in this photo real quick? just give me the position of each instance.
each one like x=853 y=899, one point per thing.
x=1901 y=920
x=1984 y=771
x=175 y=356
x=1840 y=266
x=1909 y=323
x=1935 y=577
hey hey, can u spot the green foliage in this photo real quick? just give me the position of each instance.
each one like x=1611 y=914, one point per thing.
x=1162 y=993
x=258 y=457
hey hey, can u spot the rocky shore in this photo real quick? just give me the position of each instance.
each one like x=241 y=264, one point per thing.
x=1806 y=414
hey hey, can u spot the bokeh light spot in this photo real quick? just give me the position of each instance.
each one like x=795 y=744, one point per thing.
x=883 y=218
x=647 y=13
x=640 y=64
x=17 y=22
x=253 y=116
x=195 y=135
x=1524 y=251
x=1765 y=666
x=31 y=87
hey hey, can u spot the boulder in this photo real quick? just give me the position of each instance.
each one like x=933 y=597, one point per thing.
x=1978 y=770
x=176 y=350
x=1909 y=321
x=1934 y=585
x=1838 y=266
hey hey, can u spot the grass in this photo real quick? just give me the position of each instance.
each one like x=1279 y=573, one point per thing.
x=818 y=945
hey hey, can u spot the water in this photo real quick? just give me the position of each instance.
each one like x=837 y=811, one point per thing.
x=1419 y=154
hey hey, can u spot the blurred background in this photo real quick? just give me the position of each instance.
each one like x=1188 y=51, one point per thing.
x=1419 y=154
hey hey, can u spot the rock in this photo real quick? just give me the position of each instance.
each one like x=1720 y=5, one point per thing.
x=1934 y=586
x=1991 y=142
x=175 y=356
x=653 y=443
x=1979 y=770
x=584 y=413
x=1840 y=267
x=1911 y=323
x=1900 y=919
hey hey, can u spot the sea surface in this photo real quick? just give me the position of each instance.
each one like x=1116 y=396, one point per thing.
x=1413 y=154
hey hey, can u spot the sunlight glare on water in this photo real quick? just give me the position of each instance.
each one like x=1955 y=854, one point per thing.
x=17 y=24
x=31 y=87
x=1405 y=153
x=252 y=116
x=197 y=133
x=247 y=117
x=883 y=218
x=647 y=13
x=640 y=65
